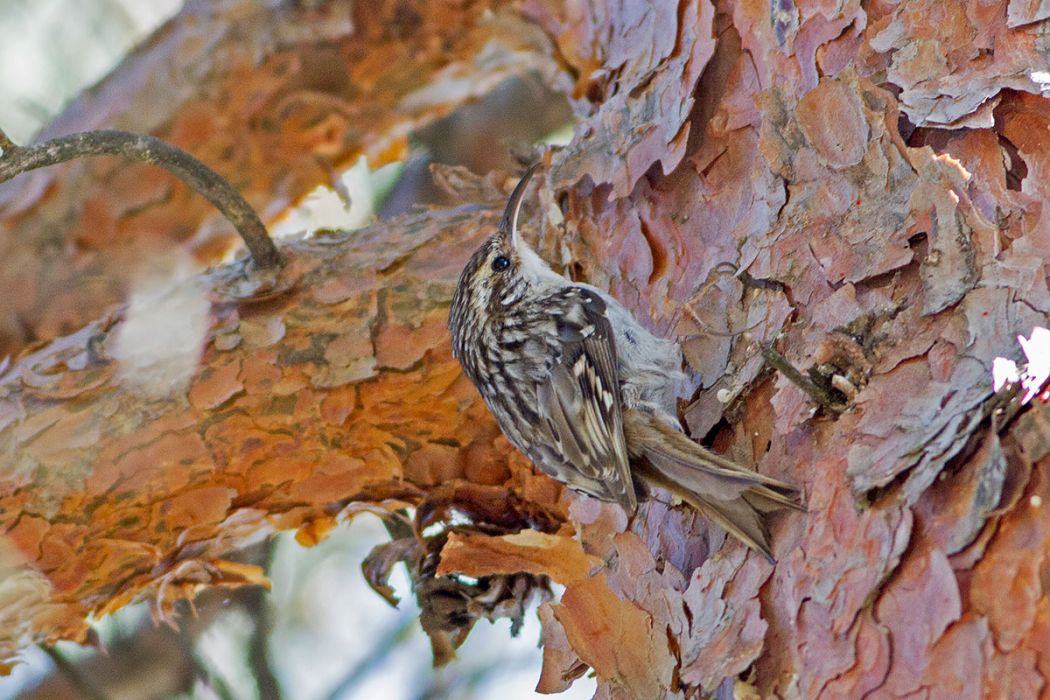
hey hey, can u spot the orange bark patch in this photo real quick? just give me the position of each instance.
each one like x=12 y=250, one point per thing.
x=560 y=557
x=616 y=638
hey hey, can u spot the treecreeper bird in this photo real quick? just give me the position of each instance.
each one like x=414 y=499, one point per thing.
x=586 y=392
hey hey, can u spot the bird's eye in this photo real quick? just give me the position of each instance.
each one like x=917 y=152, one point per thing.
x=500 y=263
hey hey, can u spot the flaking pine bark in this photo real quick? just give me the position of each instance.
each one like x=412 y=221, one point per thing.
x=875 y=175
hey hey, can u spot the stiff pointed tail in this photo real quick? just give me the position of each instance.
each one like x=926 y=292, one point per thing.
x=723 y=491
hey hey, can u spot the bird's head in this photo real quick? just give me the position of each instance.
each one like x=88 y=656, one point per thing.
x=503 y=270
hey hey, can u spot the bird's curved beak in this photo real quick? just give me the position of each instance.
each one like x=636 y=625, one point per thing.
x=508 y=225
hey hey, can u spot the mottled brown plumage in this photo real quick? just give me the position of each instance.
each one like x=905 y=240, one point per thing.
x=583 y=389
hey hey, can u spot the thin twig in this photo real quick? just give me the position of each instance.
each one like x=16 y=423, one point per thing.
x=16 y=160
x=257 y=604
x=816 y=392
x=73 y=675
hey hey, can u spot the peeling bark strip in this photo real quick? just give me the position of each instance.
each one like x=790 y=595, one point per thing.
x=801 y=146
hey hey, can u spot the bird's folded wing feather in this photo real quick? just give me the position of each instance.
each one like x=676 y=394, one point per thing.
x=580 y=406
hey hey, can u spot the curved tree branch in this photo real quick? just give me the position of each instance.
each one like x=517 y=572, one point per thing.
x=16 y=160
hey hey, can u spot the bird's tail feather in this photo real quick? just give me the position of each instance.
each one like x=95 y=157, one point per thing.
x=727 y=493
x=767 y=500
x=736 y=516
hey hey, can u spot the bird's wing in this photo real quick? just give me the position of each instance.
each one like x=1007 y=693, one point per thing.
x=580 y=407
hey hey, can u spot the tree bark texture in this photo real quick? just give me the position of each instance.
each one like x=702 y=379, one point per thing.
x=879 y=173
